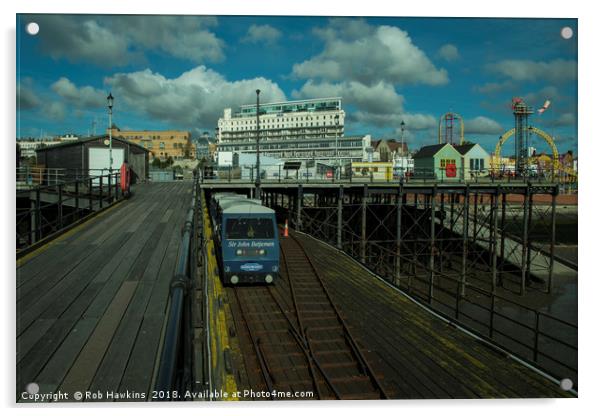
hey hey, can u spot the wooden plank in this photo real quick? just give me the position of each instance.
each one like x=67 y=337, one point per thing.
x=82 y=372
x=138 y=373
x=32 y=363
x=37 y=330
x=114 y=362
x=57 y=367
x=55 y=301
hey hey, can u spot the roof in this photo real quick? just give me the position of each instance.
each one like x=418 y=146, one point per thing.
x=429 y=151
x=245 y=207
x=464 y=148
x=88 y=139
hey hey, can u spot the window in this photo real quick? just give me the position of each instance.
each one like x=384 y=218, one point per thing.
x=162 y=146
x=249 y=228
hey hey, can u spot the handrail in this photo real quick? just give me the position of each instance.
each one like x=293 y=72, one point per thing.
x=491 y=299
x=177 y=319
x=82 y=196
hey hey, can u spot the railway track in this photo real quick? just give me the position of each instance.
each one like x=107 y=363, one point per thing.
x=295 y=338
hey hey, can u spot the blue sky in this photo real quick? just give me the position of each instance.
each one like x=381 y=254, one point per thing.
x=181 y=71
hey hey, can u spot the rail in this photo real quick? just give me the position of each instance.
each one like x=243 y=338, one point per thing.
x=497 y=320
x=174 y=371
x=53 y=207
x=389 y=174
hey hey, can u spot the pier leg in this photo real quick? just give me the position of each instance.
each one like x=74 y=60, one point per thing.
x=493 y=232
x=525 y=237
x=433 y=247
x=503 y=239
x=441 y=236
x=465 y=218
x=299 y=206
x=552 y=242
x=530 y=219
x=364 y=210
x=398 y=238
x=476 y=218
x=414 y=237
x=340 y=218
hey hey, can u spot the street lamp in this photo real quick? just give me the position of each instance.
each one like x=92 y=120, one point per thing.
x=258 y=177
x=336 y=146
x=110 y=105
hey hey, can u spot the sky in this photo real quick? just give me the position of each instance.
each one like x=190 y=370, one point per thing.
x=180 y=72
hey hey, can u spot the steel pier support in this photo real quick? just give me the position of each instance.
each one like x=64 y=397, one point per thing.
x=465 y=219
x=340 y=218
x=493 y=233
x=299 y=207
x=552 y=242
x=398 y=237
x=525 y=242
x=364 y=210
x=433 y=246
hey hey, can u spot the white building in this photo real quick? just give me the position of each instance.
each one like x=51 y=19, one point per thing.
x=28 y=147
x=305 y=130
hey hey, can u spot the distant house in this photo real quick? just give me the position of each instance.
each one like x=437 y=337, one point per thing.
x=438 y=161
x=388 y=150
x=475 y=160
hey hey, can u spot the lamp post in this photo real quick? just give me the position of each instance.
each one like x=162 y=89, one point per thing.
x=336 y=147
x=110 y=106
x=258 y=177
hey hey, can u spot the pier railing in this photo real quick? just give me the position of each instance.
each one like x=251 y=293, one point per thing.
x=49 y=208
x=175 y=364
x=388 y=174
x=541 y=339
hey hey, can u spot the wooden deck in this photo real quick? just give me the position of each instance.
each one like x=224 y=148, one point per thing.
x=419 y=355
x=91 y=305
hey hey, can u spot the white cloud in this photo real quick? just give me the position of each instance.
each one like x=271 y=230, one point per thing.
x=448 y=52
x=378 y=98
x=114 y=41
x=27 y=99
x=537 y=99
x=565 y=119
x=84 y=97
x=413 y=121
x=356 y=51
x=194 y=99
x=495 y=87
x=558 y=70
x=482 y=125
x=55 y=111
x=262 y=33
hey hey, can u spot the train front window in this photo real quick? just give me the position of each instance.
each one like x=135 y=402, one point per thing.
x=249 y=229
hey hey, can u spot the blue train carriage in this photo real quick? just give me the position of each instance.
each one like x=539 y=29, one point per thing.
x=250 y=250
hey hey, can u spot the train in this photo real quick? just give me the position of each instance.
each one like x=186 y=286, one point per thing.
x=246 y=237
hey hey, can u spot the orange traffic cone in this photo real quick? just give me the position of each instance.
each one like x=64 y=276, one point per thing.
x=285 y=228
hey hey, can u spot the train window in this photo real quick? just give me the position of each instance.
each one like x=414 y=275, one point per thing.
x=249 y=228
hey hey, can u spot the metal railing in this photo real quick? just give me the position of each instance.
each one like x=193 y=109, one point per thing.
x=54 y=206
x=512 y=326
x=380 y=174
x=175 y=374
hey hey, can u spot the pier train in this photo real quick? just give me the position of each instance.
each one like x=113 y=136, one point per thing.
x=246 y=236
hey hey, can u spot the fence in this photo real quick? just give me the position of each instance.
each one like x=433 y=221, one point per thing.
x=545 y=341
x=377 y=174
x=52 y=206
